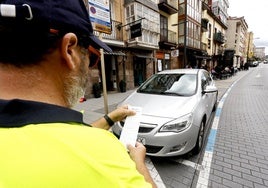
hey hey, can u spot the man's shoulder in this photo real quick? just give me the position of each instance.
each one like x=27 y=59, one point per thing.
x=18 y=113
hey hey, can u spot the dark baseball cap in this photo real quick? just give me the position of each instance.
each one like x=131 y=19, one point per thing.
x=62 y=15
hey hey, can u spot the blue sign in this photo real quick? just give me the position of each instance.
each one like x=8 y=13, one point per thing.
x=100 y=16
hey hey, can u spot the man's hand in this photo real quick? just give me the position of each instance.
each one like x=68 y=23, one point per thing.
x=137 y=154
x=117 y=115
x=121 y=113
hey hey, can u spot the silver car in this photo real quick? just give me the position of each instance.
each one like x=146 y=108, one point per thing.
x=176 y=106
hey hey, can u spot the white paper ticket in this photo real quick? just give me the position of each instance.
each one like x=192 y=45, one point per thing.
x=131 y=127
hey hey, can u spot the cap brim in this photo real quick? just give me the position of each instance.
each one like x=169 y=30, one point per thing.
x=99 y=44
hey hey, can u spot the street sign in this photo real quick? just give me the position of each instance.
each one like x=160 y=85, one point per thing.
x=99 y=12
x=135 y=30
x=175 y=53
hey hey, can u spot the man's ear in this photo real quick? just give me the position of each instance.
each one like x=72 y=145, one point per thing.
x=69 y=46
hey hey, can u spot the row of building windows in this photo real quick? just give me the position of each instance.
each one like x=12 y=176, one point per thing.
x=150 y=21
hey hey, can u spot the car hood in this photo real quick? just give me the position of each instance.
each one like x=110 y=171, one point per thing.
x=162 y=105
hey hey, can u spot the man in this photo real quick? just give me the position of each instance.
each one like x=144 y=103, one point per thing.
x=44 y=57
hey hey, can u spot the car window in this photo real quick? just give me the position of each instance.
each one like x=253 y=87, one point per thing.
x=170 y=84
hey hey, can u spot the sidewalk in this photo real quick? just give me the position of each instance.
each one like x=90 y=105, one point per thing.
x=93 y=108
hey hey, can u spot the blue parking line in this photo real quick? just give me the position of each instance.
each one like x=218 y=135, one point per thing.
x=218 y=112
x=213 y=131
x=211 y=140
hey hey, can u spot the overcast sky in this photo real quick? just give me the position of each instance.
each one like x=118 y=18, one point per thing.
x=256 y=15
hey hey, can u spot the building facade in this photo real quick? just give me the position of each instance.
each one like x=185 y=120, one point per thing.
x=134 y=37
x=166 y=55
x=260 y=53
x=189 y=33
x=219 y=9
x=143 y=39
x=148 y=36
x=214 y=27
x=250 y=47
x=237 y=40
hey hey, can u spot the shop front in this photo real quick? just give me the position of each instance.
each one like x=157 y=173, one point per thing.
x=163 y=61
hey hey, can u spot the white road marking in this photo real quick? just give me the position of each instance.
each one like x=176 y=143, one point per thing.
x=155 y=175
x=189 y=163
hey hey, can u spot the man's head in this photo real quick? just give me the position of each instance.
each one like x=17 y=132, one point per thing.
x=32 y=29
x=35 y=22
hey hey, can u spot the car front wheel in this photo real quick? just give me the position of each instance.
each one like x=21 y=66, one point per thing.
x=200 y=139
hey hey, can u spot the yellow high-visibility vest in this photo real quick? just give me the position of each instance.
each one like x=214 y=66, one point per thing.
x=60 y=155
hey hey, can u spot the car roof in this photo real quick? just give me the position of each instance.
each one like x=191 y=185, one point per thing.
x=181 y=71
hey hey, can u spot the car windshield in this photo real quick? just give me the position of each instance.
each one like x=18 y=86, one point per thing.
x=170 y=84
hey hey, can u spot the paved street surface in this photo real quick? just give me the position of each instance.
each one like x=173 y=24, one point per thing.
x=240 y=153
x=226 y=161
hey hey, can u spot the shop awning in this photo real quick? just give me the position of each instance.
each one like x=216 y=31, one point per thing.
x=143 y=56
x=115 y=53
x=202 y=57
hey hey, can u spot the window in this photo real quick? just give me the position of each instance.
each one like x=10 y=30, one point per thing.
x=181 y=10
x=150 y=25
x=163 y=28
x=193 y=35
x=209 y=31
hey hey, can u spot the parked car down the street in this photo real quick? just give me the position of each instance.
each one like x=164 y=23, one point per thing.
x=176 y=106
x=254 y=64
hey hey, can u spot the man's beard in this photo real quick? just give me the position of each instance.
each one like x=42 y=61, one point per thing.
x=75 y=85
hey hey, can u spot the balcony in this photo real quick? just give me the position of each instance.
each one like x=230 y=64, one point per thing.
x=168 y=6
x=219 y=37
x=168 y=41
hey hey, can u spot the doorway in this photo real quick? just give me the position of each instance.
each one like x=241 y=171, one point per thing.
x=139 y=68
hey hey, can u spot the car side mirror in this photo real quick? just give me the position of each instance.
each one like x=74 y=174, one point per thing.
x=210 y=89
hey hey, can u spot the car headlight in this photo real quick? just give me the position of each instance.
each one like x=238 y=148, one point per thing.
x=178 y=125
